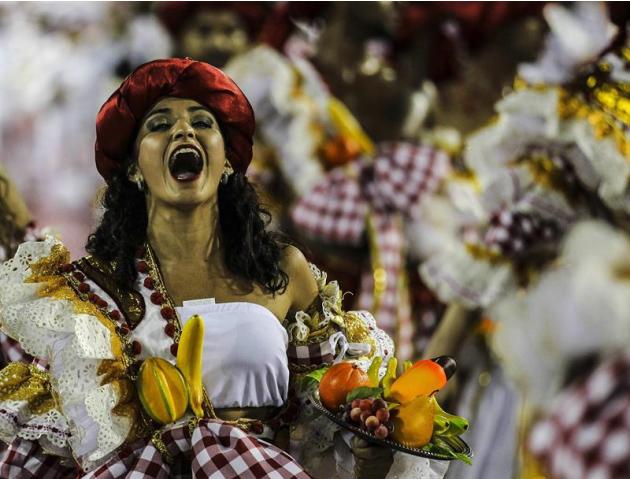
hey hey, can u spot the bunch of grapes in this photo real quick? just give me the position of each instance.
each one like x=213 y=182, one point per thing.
x=370 y=415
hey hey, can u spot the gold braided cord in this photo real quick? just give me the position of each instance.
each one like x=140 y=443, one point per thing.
x=25 y=382
x=158 y=443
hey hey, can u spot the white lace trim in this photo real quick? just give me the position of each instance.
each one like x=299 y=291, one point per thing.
x=16 y=420
x=113 y=430
x=330 y=296
x=406 y=466
x=74 y=344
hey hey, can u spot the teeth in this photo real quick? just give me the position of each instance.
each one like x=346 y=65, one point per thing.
x=185 y=150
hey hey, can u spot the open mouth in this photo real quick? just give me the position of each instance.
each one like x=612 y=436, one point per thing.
x=185 y=164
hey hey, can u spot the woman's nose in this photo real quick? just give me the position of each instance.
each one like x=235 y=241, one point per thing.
x=183 y=130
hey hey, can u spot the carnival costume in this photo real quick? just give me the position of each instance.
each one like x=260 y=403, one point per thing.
x=78 y=405
x=555 y=159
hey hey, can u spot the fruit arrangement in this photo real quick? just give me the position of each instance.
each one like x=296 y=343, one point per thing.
x=166 y=391
x=402 y=409
x=369 y=414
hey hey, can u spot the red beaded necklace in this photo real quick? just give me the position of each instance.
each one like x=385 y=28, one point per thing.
x=154 y=282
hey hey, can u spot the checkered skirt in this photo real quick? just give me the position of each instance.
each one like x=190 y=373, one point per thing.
x=587 y=433
x=212 y=449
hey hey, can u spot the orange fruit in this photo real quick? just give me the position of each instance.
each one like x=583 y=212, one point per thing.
x=423 y=378
x=338 y=381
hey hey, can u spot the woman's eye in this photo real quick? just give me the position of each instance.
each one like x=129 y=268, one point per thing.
x=159 y=127
x=202 y=124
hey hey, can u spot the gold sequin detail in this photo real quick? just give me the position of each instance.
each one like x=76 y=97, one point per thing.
x=596 y=98
x=45 y=268
x=358 y=332
x=25 y=382
x=482 y=253
x=548 y=175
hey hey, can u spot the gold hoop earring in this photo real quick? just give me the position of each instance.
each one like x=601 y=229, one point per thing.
x=227 y=171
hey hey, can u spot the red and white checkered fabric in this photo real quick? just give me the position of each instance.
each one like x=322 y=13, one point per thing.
x=214 y=450
x=11 y=351
x=587 y=433
x=25 y=460
x=315 y=354
x=385 y=187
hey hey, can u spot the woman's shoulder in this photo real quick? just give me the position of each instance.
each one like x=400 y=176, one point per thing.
x=303 y=287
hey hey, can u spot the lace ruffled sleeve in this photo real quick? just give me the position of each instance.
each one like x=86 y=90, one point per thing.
x=83 y=405
x=325 y=333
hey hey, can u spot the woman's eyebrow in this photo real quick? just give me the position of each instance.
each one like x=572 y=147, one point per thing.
x=195 y=108
x=158 y=111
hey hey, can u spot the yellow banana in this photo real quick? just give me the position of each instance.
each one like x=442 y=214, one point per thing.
x=190 y=361
x=347 y=125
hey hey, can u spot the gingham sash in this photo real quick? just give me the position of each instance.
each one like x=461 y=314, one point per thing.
x=385 y=187
x=213 y=450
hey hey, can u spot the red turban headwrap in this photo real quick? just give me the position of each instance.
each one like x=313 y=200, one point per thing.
x=118 y=120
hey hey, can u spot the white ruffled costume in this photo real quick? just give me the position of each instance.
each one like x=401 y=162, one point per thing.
x=84 y=408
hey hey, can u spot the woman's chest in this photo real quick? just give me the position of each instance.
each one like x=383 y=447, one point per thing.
x=182 y=287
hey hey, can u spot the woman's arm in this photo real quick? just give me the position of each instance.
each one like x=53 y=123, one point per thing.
x=302 y=289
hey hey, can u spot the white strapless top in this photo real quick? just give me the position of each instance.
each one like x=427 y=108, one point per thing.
x=244 y=354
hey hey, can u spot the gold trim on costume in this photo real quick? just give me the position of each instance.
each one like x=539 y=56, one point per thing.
x=25 y=382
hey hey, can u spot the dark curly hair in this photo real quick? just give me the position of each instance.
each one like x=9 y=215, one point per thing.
x=251 y=252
